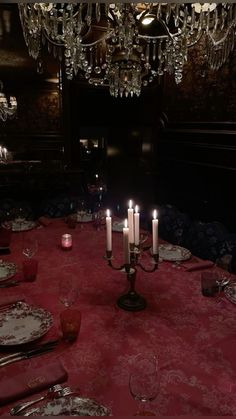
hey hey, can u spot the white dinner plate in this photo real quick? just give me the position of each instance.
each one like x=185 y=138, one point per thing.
x=118 y=226
x=23 y=323
x=69 y=406
x=7 y=270
x=230 y=292
x=173 y=253
x=19 y=225
x=86 y=218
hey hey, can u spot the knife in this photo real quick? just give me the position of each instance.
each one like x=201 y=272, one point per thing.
x=10 y=284
x=17 y=356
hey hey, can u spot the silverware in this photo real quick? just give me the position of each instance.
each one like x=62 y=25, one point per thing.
x=10 y=284
x=52 y=391
x=27 y=354
x=7 y=306
x=49 y=344
x=61 y=393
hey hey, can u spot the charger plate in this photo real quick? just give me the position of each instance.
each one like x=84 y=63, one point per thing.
x=23 y=323
x=230 y=292
x=7 y=270
x=173 y=253
x=69 y=406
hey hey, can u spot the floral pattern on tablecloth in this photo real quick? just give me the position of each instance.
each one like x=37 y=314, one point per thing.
x=193 y=336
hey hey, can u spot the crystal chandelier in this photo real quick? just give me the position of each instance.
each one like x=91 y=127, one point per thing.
x=127 y=45
x=7 y=107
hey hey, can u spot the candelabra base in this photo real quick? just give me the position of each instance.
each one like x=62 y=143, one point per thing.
x=132 y=301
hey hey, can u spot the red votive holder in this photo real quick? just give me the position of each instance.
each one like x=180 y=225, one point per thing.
x=70 y=324
x=66 y=241
x=30 y=269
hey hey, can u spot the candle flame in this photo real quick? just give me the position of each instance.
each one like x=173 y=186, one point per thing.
x=136 y=209
x=126 y=223
x=155 y=214
x=108 y=213
x=130 y=203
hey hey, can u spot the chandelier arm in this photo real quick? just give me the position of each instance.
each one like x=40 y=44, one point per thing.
x=91 y=44
x=149 y=37
x=196 y=40
x=62 y=44
x=216 y=43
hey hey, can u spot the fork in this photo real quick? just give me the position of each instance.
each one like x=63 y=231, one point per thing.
x=51 y=393
x=7 y=306
x=66 y=391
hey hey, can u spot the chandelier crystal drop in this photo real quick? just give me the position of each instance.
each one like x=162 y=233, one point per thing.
x=127 y=45
x=7 y=107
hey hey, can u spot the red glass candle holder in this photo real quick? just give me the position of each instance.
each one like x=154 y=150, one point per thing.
x=30 y=269
x=70 y=324
x=66 y=241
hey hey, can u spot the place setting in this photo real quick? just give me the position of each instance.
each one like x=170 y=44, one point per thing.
x=19 y=224
x=22 y=326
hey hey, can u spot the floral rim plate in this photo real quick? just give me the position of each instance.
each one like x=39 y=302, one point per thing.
x=173 y=253
x=20 y=225
x=86 y=218
x=118 y=226
x=230 y=292
x=69 y=406
x=23 y=323
x=7 y=270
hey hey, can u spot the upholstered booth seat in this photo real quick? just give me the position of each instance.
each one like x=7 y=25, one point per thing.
x=173 y=224
x=59 y=206
x=10 y=209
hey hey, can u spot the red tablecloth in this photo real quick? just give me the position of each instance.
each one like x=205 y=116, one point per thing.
x=193 y=337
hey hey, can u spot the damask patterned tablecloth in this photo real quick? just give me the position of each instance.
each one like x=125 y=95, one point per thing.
x=193 y=336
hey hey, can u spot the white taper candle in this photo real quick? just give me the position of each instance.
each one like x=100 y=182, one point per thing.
x=131 y=222
x=155 y=233
x=126 y=243
x=108 y=231
x=136 y=226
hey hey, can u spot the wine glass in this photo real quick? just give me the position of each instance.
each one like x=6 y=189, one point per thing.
x=81 y=211
x=30 y=246
x=222 y=279
x=68 y=290
x=143 y=381
x=98 y=217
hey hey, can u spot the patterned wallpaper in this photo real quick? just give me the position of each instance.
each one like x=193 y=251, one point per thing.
x=204 y=94
x=38 y=112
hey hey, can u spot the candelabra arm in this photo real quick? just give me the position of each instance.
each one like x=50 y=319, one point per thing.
x=109 y=258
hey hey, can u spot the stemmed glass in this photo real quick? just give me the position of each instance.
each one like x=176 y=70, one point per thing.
x=143 y=381
x=30 y=246
x=68 y=290
x=222 y=279
x=81 y=210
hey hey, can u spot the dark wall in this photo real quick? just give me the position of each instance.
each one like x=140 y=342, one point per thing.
x=129 y=127
x=197 y=152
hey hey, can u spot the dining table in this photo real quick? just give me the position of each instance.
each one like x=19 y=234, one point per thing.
x=192 y=336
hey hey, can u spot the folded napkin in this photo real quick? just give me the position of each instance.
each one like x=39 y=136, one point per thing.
x=5 y=237
x=195 y=265
x=45 y=221
x=31 y=381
